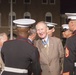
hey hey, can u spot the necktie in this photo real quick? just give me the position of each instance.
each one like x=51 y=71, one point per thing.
x=44 y=42
x=46 y=46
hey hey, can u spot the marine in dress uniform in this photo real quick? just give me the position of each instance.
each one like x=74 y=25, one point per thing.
x=70 y=50
x=19 y=53
x=66 y=33
x=51 y=28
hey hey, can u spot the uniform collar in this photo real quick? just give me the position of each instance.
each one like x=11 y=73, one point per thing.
x=74 y=32
x=46 y=38
x=20 y=37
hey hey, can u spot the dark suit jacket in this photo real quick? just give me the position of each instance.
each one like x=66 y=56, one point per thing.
x=19 y=54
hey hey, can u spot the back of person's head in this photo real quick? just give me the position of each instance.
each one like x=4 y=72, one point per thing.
x=23 y=26
x=22 y=32
x=32 y=31
x=32 y=34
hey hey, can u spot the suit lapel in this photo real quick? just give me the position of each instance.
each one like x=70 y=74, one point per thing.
x=51 y=47
x=43 y=51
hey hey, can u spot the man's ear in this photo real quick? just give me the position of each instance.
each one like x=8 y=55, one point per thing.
x=53 y=29
x=47 y=29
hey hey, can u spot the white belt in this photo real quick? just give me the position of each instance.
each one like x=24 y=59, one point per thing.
x=15 y=70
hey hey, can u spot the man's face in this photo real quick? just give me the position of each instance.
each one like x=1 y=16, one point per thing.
x=51 y=31
x=72 y=25
x=41 y=30
x=66 y=33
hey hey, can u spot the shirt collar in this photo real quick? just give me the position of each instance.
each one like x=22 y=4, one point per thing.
x=74 y=32
x=46 y=39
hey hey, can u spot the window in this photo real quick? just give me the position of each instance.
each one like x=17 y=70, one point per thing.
x=52 y=1
x=44 y=1
x=0 y=19
x=13 y=1
x=13 y=18
x=27 y=15
x=27 y=1
x=48 y=17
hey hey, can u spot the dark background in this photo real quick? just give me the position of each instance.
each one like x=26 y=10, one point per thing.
x=67 y=6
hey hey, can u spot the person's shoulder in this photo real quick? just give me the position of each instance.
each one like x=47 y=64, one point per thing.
x=8 y=41
x=14 y=41
x=71 y=39
x=38 y=40
x=55 y=38
x=20 y=42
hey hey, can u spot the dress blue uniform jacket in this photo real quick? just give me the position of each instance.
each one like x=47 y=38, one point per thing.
x=19 y=54
x=70 y=55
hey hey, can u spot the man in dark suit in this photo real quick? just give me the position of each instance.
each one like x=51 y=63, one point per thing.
x=19 y=53
x=32 y=35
